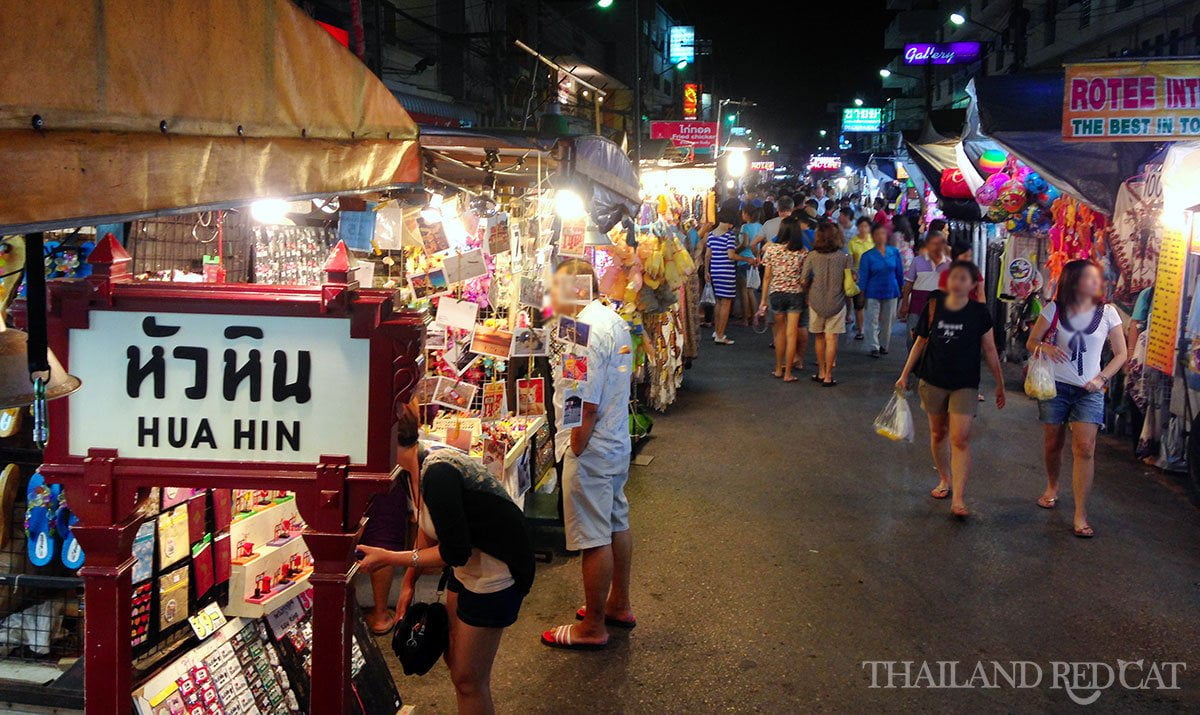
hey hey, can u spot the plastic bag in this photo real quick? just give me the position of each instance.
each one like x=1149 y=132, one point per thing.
x=708 y=297
x=896 y=421
x=1039 y=379
x=753 y=280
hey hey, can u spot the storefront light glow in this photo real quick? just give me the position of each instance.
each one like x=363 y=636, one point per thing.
x=736 y=162
x=456 y=232
x=729 y=184
x=431 y=215
x=569 y=205
x=269 y=211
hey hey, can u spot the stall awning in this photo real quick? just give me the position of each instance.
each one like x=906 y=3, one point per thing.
x=1023 y=113
x=113 y=109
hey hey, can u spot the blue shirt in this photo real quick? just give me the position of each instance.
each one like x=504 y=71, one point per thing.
x=751 y=230
x=810 y=237
x=880 y=276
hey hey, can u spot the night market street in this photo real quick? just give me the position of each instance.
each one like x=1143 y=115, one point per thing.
x=774 y=556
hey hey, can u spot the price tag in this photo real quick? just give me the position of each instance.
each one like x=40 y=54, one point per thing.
x=208 y=621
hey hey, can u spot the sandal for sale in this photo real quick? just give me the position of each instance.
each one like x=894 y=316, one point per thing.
x=39 y=521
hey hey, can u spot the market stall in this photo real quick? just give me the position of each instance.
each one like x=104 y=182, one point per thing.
x=212 y=471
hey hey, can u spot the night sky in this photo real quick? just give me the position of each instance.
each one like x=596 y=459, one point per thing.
x=793 y=58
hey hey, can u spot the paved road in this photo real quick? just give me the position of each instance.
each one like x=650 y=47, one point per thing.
x=780 y=544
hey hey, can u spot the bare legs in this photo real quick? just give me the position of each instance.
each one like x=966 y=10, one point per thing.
x=801 y=345
x=618 y=605
x=779 y=332
x=939 y=430
x=380 y=618
x=792 y=334
x=827 y=345
x=1083 y=467
x=819 y=342
x=469 y=658
x=960 y=460
x=722 y=316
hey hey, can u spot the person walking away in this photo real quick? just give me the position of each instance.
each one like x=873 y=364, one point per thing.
x=921 y=279
x=859 y=243
x=952 y=332
x=747 y=238
x=595 y=466
x=823 y=279
x=880 y=275
x=1072 y=331
x=469 y=522
x=782 y=290
x=770 y=228
x=721 y=265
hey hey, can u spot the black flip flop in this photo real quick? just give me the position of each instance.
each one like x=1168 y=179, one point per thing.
x=831 y=383
x=608 y=621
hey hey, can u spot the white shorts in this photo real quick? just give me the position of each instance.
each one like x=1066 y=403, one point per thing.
x=833 y=324
x=594 y=505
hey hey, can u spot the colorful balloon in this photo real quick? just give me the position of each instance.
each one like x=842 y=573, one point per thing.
x=987 y=194
x=993 y=160
x=1034 y=183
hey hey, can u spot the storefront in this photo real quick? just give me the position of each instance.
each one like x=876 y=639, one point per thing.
x=190 y=528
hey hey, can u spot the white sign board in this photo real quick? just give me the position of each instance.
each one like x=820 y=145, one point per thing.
x=242 y=388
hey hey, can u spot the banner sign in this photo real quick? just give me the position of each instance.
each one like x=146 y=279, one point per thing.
x=942 y=53
x=861 y=119
x=825 y=163
x=691 y=100
x=681 y=44
x=762 y=166
x=698 y=135
x=1168 y=300
x=1132 y=101
x=243 y=388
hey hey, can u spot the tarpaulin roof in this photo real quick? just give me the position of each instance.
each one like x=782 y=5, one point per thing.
x=937 y=147
x=112 y=109
x=1023 y=113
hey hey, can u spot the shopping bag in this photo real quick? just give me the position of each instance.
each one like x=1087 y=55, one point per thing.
x=1039 y=378
x=849 y=285
x=896 y=421
x=753 y=280
x=708 y=297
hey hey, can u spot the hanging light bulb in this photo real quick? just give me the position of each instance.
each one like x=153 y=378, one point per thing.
x=569 y=205
x=270 y=211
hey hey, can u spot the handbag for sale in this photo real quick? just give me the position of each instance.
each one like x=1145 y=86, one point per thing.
x=422 y=635
x=849 y=285
x=954 y=185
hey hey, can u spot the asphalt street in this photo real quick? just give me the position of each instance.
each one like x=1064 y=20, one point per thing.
x=781 y=545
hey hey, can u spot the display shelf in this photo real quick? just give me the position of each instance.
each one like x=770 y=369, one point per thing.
x=268 y=560
x=258 y=609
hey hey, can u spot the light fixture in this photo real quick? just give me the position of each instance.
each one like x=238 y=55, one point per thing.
x=736 y=160
x=681 y=65
x=885 y=73
x=569 y=205
x=586 y=94
x=729 y=184
x=958 y=18
x=822 y=132
x=270 y=211
x=431 y=215
x=604 y=4
x=858 y=102
x=731 y=118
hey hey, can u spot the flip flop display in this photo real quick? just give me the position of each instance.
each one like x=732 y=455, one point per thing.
x=39 y=524
x=72 y=553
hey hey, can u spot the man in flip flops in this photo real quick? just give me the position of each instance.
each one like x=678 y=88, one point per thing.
x=595 y=453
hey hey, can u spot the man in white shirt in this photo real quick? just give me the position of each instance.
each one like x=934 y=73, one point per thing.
x=594 y=448
x=770 y=228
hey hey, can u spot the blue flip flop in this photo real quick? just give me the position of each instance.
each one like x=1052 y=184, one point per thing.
x=39 y=527
x=72 y=552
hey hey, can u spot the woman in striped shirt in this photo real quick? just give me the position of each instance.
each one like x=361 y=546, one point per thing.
x=722 y=266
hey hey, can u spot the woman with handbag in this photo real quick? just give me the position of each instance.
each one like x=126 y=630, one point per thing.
x=825 y=275
x=469 y=523
x=1072 y=331
x=953 y=332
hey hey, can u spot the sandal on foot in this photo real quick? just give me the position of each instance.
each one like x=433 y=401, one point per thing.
x=560 y=637
x=385 y=631
x=791 y=378
x=960 y=512
x=1086 y=532
x=831 y=383
x=608 y=620
x=816 y=378
x=1045 y=503
x=939 y=492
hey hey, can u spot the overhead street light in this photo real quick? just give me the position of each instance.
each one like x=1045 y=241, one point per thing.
x=681 y=64
x=885 y=73
x=957 y=17
x=604 y=4
x=822 y=132
x=858 y=102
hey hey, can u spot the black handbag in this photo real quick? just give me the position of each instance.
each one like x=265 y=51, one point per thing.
x=421 y=637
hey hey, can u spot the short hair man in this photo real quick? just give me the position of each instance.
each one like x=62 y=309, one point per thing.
x=770 y=230
x=595 y=451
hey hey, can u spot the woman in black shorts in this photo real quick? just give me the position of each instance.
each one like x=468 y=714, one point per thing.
x=469 y=522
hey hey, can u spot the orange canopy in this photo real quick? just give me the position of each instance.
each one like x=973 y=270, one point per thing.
x=112 y=109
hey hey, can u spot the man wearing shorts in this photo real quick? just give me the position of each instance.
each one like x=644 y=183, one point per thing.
x=594 y=448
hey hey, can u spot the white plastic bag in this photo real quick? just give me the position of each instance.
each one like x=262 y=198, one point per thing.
x=1039 y=378
x=708 y=297
x=896 y=421
x=753 y=280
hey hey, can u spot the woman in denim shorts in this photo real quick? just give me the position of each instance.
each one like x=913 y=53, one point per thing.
x=1072 y=331
x=781 y=290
